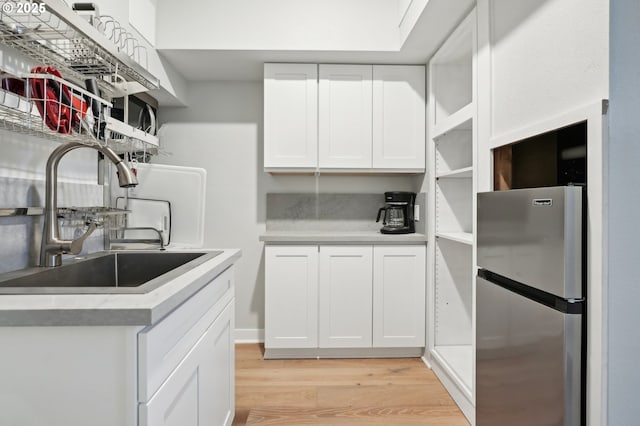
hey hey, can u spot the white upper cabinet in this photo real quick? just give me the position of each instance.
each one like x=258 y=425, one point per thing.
x=398 y=117
x=345 y=116
x=290 y=115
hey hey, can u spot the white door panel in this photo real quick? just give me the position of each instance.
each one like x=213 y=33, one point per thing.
x=345 y=296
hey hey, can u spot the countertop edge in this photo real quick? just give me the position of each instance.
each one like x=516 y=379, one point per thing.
x=342 y=237
x=161 y=310
x=144 y=310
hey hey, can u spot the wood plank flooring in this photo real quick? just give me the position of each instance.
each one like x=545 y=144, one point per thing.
x=392 y=392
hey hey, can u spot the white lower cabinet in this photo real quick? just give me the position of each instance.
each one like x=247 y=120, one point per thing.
x=291 y=296
x=200 y=391
x=179 y=371
x=399 y=276
x=186 y=362
x=344 y=297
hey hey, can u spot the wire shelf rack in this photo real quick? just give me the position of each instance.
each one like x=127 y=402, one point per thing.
x=114 y=218
x=61 y=38
x=50 y=107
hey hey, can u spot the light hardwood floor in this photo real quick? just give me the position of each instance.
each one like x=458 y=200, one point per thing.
x=392 y=392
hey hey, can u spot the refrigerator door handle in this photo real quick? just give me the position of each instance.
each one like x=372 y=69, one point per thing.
x=566 y=306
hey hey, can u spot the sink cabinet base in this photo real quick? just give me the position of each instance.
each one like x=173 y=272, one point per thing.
x=68 y=376
x=107 y=375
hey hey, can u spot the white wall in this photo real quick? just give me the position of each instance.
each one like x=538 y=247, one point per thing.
x=221 y=131
x=278 y=25
x=623 y=211
x=546 y=57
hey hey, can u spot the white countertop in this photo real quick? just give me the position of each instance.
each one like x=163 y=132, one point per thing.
x=112 y=309
x=312 y=237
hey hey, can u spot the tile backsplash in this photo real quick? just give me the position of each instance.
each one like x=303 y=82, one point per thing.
x=23 y=160
x=329 y=212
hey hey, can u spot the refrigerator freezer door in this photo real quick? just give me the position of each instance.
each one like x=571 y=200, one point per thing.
x=527 y=361
x=533 y=236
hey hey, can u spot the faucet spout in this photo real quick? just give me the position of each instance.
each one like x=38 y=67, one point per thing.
x=53 y=247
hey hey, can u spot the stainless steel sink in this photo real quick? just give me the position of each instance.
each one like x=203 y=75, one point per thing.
x=112 y=272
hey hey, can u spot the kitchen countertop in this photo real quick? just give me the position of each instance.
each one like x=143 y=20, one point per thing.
x=112 y=309
x=341 y=237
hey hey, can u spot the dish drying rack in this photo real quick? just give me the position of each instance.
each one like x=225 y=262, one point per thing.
x=62 y=38
x=52 y=34
x=112 y=217
x=115 y=218
x=47 y=115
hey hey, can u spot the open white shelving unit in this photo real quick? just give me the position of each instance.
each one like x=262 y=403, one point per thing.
x=459 y=237
x=463 y=172
x=452 y=148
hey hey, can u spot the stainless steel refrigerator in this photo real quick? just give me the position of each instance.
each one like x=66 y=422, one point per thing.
x=530 y=307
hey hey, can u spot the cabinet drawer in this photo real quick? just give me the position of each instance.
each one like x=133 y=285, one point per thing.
x=162 y=347
x=200 y=391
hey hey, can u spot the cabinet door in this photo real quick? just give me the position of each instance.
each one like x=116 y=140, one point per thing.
x=291 y=297
x=218 y=406
x=399 y=296
x=345 y=116
x=200 y=391
x=345 y=296
x=290 y=115
x=399 y=117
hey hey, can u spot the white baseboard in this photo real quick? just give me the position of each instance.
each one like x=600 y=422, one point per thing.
x=249 y=335
x=426 y=361
x=326 y=353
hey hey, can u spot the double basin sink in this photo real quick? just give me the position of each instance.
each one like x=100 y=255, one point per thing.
x=110 y=272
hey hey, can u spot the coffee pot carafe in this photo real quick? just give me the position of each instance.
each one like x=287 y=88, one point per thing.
x=397 y=213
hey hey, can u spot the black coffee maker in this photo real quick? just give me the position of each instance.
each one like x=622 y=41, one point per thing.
x=398 y=213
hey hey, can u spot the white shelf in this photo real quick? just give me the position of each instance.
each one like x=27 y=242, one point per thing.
x=453 y=110
x=463 y=173
x=453 y=294
x=454 y=205
x=459 y=120
x=124 y=137
x=460 y=237
x=458 y=361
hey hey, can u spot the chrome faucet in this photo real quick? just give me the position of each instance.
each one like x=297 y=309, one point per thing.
x=53 y=247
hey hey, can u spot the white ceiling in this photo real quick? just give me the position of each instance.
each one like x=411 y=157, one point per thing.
x=248 y=64
x=235 y=59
